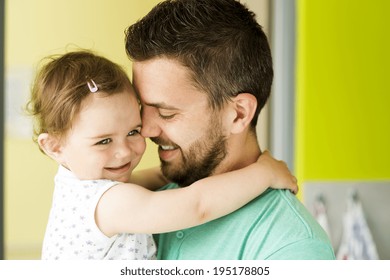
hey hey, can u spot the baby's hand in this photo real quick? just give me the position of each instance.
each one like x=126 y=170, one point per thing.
x=279 y=174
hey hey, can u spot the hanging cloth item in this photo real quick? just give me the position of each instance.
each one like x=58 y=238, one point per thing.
x=357 y=242
x=320 y=213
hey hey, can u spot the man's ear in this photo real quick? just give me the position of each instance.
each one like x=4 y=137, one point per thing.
x=51 y=145
x=245 y=105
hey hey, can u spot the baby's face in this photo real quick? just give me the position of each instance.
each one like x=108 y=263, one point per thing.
x=104 y=141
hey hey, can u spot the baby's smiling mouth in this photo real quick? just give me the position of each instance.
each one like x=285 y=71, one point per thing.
x=119 y=169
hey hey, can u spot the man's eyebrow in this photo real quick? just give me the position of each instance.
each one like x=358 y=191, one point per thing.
x=161 y=105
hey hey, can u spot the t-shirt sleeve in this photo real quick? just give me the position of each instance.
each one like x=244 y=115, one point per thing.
x=306 y=249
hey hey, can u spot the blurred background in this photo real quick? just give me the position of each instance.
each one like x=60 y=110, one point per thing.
x=328 y=116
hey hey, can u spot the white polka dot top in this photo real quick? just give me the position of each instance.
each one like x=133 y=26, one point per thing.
x=72 y=233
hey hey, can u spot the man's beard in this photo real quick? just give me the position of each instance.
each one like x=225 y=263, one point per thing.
x=200 y=160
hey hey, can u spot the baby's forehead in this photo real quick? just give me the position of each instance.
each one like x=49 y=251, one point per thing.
x=107 y=111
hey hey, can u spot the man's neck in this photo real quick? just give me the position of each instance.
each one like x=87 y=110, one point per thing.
x=243 y=150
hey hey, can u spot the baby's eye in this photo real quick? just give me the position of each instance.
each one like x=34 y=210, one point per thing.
x=134 y=132
x=104 y=142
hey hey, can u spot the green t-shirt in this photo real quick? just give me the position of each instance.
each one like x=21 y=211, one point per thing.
x=274 y=226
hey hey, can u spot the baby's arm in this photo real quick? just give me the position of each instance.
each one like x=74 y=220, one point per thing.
x=152 y=178
x=131 y=208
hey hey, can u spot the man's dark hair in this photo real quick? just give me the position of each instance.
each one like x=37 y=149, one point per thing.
x=220 y=41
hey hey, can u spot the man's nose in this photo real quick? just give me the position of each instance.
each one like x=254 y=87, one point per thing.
x=150 y=127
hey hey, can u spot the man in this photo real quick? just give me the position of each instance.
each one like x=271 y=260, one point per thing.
x=203 y=71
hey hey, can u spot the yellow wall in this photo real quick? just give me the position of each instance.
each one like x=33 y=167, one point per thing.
x=35 y=29
x=343 y=96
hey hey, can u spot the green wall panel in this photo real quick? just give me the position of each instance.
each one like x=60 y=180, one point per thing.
x=343 y=90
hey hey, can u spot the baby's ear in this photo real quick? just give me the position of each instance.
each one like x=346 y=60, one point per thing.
x=51 y=145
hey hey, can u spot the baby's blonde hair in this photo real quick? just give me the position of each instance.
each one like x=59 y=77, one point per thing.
x=61 y=85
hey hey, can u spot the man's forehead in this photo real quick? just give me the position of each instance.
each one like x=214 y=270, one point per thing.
x=161 y=105
x=165 y=83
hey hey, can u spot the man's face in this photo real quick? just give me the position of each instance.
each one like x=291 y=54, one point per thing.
x=176 y=116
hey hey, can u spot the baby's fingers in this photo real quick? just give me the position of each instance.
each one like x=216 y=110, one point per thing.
x=294 y=188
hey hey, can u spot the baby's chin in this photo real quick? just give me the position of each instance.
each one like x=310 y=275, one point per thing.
x=123 y=179
x=126 y=180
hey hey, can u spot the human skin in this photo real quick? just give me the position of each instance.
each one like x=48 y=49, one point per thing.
x=177 y=116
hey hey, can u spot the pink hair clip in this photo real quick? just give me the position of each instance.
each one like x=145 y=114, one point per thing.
x=93 y=88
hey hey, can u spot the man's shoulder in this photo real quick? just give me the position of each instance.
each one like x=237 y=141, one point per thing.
x=273 y=221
